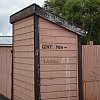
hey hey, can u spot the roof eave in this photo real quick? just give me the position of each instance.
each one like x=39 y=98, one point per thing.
x=35 y=9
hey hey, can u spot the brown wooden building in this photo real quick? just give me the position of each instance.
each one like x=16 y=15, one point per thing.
x=46 y=56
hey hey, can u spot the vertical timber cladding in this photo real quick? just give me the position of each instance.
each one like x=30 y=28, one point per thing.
x=23 y=59
x=58 y=62
x=5 y=70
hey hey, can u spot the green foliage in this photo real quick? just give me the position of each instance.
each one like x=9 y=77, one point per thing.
x=85 y=13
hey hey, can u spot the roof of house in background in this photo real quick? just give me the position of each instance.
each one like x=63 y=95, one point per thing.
x=5 y=40
x=36 y=9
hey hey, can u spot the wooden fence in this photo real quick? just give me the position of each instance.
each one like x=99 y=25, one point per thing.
x=91 y=71
x=5 y=71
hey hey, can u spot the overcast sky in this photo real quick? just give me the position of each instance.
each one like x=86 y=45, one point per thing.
x=8 y=7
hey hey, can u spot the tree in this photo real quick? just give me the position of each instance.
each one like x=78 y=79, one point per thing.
x=85 y=13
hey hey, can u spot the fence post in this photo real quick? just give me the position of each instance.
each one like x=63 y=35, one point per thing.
x=91 y=42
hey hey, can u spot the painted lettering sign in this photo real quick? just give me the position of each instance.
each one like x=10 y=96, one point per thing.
x=49 y=61
x=57 y=60
x=59 y=47
x=51 y=47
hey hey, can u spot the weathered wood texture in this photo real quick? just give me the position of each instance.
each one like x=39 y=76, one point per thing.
x=91 y=71
x=58 y=62
x=23 y=65
x=5 y=71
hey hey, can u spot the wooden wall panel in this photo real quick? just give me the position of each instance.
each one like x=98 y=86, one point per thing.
x=72 y=98
x=27 y=29
x=54 y=39
x=57 y=74
x=24 y=59
x=24 y=42
x=52 y=95
x=45 y=32
x=57 y=88
x=23 y=84
x=22 y=96
x=5 y=71
x=23 y=78
x=58 y=54
x=21 y=66
x=57 y=67
x=58 y=62
x=23 y=23
x=58 y=81
x=24 y=36
x=24 y=54
x=91 y=71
